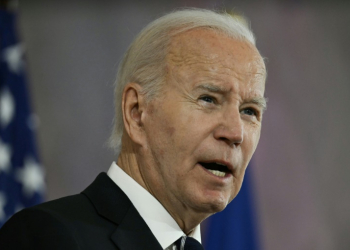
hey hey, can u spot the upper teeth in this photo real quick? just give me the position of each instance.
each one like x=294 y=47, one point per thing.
x=217 y=172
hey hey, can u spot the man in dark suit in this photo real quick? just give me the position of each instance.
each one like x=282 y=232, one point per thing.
x=189 y=105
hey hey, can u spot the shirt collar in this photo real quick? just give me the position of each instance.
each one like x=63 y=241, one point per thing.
x=160 y=222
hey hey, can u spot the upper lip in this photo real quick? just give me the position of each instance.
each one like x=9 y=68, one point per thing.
x=222 y=162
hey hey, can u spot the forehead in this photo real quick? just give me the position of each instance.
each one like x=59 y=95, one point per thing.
x=208 y=52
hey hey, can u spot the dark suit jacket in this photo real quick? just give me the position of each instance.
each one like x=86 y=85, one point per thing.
x=101 y=217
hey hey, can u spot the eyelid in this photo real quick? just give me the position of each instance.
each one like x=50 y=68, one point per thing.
x=257 y=111
x=215 y=101
x=253 y=106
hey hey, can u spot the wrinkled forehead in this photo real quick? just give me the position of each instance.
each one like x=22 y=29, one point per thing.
x=213 y=48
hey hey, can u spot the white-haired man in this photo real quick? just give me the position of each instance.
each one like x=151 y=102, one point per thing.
x=189 y=105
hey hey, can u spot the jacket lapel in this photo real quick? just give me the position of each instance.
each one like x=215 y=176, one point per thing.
x=133 y=233
x=111 y=203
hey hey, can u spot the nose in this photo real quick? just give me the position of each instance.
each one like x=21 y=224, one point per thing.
x=230 y=129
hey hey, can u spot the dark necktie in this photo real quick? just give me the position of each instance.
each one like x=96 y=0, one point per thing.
x=188 y=243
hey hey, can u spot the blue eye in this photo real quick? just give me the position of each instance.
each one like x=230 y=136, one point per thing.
x=249 y=111
x=208 y=99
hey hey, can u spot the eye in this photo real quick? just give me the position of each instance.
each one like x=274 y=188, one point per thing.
x=250 y=112
x=208 y=99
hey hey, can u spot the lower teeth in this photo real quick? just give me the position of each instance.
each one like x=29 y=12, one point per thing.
x=217 y=173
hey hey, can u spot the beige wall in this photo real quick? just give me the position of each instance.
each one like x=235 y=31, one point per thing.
x=301 y=170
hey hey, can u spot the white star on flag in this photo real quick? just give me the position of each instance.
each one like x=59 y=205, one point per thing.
x=13 y=56
x=2 y=206
x=7 y=107
x=21 y=178
x=32 y=177
x=5 y=157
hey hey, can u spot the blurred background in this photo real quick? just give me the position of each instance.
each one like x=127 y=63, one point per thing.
x=300 y=172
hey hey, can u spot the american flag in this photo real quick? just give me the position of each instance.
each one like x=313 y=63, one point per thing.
x=21 y=177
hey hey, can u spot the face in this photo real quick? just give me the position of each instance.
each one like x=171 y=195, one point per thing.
x=203 y=129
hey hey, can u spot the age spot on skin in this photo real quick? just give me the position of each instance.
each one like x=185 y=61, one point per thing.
x=170 y=130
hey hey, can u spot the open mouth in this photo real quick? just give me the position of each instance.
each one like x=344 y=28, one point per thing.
x=216 y=168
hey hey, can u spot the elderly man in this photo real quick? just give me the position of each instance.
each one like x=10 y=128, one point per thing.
x=189 y=106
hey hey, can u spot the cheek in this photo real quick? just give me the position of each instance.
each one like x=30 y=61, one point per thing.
x=256 y=138
x=253 y=136
x=162 y=133
x=170 y=131
x=249 y=145
x=180 y=127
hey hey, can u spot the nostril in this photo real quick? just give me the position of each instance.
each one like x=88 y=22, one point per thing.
x=232 y=142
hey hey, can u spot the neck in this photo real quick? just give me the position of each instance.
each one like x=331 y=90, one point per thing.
x=127 y=161
x=131 y=161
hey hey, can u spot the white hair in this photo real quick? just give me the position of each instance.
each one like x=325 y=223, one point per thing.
x=144 y=61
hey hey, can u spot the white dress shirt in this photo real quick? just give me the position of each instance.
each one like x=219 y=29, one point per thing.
x=157 y=218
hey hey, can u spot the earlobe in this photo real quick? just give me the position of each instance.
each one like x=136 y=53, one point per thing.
x=132 y=108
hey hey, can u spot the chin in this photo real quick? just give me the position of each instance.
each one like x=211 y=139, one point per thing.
x=213 y=206
x=219 y=203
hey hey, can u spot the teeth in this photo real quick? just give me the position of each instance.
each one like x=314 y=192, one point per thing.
x=217 y=173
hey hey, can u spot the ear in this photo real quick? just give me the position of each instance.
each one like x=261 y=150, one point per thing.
x=133 y=107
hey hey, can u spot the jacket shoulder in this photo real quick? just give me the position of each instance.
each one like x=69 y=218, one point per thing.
x=35 y=228
x=66 y=223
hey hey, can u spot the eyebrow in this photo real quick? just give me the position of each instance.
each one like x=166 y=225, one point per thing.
x=260 y=101
x=212 y=88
